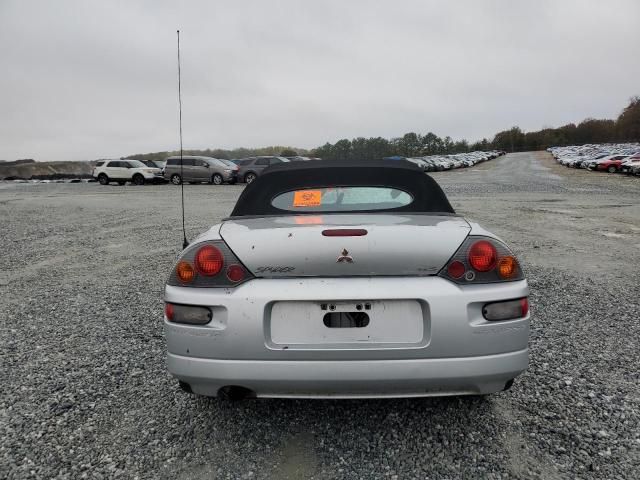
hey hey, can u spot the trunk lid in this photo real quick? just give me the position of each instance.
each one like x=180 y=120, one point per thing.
x=395 y=244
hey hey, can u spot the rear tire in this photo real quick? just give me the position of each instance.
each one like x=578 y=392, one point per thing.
x=612 y=169
x=217 y=179
x=250 y=177
x=103 y=179
x=138 y=179
x=176 y=179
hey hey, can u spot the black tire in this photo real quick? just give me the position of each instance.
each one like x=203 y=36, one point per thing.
x=121 y=183
x=250 y=177
x=612 y=169
x=103 y=179
x=176 y=179
x=217 y=179
x=137 y=179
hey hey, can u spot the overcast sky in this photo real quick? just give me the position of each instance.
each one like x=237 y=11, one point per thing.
x=87 y=79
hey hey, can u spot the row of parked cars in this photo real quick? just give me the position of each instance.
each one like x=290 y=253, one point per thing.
x=194 y=169
x=603 y=157
x=438 y=163
x=198 y=169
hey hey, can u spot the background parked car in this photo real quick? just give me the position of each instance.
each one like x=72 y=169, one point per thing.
x=197 y=169
x=629 y=163
x=252 y=167
x=610 y=164
x=609 y=157
x=123 y=171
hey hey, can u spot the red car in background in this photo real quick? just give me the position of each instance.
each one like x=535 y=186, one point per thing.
x=611 y=164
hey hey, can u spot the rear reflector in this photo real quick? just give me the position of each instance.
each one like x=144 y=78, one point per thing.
x=188 y=314
x=345 y=232
x=508 y=310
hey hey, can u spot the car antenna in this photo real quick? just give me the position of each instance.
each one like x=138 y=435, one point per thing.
x=185 y=243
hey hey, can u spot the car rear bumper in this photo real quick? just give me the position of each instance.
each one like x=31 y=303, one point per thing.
x=352 y=379
x=253 y=342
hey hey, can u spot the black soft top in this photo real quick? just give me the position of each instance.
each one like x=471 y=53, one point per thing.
x=428 y=197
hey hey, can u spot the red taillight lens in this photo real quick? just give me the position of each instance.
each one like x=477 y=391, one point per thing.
x=524 y=306
x=482 y=256
x=168 y=311
x=235 y=273
x=456 y=269
x=209 y=260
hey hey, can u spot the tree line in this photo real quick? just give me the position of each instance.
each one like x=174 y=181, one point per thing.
x=625 y=128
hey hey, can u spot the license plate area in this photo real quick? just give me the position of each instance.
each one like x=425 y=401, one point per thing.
x=359 y=323
x=346 y=320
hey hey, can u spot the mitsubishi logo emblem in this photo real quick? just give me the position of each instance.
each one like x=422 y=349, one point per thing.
x=345 y=257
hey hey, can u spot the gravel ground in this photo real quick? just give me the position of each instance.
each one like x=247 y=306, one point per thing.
x=86 y=393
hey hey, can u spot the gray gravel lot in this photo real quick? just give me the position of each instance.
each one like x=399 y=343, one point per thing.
x=85 y=393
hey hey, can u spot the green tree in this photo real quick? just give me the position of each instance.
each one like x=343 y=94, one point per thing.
x=288 y=152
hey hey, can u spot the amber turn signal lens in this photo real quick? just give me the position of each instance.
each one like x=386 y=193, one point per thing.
x=507 y=267
x=185 y=271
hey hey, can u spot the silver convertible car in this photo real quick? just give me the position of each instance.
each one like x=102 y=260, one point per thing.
x=346 y=280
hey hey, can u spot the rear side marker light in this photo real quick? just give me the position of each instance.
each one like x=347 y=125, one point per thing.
x=235 y=273
x=508 y=310
x=344 y=232
x=209 y=260
x=482 y=256
x=187 y=314
x=185 y=272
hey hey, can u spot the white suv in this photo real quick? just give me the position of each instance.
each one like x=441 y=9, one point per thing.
x=123 y=171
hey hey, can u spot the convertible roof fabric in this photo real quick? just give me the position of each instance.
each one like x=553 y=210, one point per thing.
x=256 y=198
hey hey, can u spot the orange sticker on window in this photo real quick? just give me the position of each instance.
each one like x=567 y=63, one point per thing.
x=307 y=198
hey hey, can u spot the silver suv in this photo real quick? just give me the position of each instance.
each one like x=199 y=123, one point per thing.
x=200 y=169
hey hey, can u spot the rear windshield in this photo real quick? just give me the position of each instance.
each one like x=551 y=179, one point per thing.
x=342 y=199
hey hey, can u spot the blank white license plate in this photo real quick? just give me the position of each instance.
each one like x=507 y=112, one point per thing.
x=340 y=322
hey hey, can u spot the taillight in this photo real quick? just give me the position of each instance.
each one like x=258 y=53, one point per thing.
x=203 y=265
x=209 y=260
x=482 y=260
x=456 y=269
x=235 y=273
x=482 y=256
